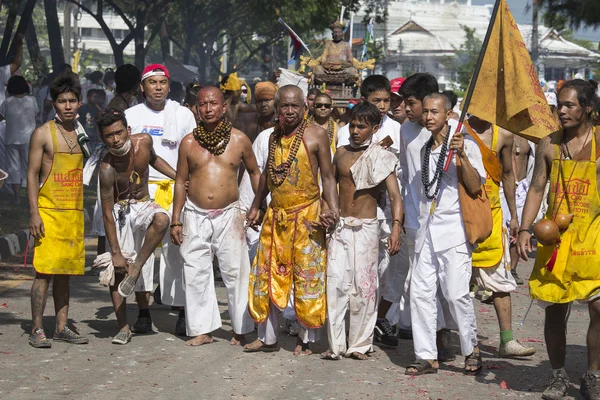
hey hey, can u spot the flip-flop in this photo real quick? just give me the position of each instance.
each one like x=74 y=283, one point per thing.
x=421 y=367
x=263 y=349
x=328 y=355
x=474 y=360
x=127 y=286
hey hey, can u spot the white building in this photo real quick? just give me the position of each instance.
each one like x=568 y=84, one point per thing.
x=420 y=34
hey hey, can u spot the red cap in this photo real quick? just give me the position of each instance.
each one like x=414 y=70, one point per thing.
x=150 y=71
x=396 y=84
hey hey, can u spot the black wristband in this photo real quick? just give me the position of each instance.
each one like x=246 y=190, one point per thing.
x=523 y=230
x=176 y=224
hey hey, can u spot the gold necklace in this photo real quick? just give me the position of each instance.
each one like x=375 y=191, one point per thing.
x=68 y=141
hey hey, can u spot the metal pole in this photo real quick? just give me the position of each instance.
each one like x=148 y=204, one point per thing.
x=534 y=36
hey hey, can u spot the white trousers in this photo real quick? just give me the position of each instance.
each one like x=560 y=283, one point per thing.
x=398 y=291
x=16 y=163
x=498 y=279
x=352 y=284
x=132 y=222
x=268 y=331
x=388 y=266
x=206 y=234
x=451 y=269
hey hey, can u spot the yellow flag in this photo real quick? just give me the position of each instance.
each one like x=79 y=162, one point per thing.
x=76 y=57
x=507 y=91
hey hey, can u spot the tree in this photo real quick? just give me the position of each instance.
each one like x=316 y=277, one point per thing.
x=574 y=13
x=463 y=63
x=54 y=34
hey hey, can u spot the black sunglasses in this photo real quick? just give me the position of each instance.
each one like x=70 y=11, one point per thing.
x=322 y=105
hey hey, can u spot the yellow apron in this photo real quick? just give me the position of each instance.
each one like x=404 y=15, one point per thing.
x=334 y=138
x=576 y=271
x=60 y=201
x=489 y=253
x=164 y=193
x=289 y=250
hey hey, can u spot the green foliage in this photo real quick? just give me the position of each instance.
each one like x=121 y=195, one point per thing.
x=573 y=13
x=463 y=63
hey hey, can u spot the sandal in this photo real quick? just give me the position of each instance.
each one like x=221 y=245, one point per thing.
x=421 y=367
x=474 y=360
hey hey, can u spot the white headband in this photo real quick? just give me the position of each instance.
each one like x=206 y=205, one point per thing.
x=153 y=73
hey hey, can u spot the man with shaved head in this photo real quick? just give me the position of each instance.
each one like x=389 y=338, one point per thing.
x=291 y=257
x=213 y=221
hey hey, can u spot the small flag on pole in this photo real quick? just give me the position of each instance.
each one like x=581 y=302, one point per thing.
x=76 y=58
x=297 y=45
x=368 y=37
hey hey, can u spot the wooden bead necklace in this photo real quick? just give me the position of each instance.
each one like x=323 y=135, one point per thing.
x=278 y=174
x=216 y=141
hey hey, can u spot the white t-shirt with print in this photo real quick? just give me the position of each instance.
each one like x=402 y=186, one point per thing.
x=143 y=119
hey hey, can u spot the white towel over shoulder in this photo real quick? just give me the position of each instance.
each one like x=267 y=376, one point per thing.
x=373 y=167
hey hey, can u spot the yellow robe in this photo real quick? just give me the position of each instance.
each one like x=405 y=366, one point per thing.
x=289 y=250
x=61 y=250
x=576 y=272
x=489 y=253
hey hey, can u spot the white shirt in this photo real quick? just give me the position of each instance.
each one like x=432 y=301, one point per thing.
x=20 y=115
x=388 y=127
x=4 y=77
x=260 y=147
x=143 y=119
x=445 y=225
x=412 y=139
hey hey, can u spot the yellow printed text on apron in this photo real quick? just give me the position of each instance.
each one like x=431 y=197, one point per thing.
x=576 y=271
x=489 y=253
x=290 y=252
x=61 y=251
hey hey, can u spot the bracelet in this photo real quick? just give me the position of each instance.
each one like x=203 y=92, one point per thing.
x=176 y=224
x=397 y=221
x=523 y=230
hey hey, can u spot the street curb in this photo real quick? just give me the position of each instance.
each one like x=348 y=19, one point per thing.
x=13 y=243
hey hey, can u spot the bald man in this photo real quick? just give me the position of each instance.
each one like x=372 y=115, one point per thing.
x=213 y=225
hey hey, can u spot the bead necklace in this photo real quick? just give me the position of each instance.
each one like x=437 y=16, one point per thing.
x=216 y=141
x=278 y=174
x=330 y=126
x=439 y=169
x=70 y=142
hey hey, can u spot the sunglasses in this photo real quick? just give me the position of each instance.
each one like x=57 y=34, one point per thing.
x=323 y=105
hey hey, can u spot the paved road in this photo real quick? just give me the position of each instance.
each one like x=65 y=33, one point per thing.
x=160 y=366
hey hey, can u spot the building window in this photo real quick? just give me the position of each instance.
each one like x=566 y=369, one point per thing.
x=86 y=32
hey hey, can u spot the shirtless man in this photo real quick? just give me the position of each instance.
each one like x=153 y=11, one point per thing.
x=264 y=117
x=352 y=276
x=125 y=201
x=211 y=157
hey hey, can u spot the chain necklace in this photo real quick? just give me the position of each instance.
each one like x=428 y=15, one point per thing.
x=278 y=174
x=216 y=141
x=70 y=143
x=439 y=169
x=330 y=126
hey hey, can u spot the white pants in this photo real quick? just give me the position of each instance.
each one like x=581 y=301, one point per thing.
x=451 y=269
x=97 y=220
x=388 y=266
x=206 y=234
x=16 y=163
x=131 y=232
x=497 y=279
x=268 y=331
x=398 y=291
x=352 y=284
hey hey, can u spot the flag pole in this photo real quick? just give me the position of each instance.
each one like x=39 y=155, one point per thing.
x=471 y=89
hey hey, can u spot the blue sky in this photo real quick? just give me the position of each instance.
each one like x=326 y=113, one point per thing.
x=517 y=7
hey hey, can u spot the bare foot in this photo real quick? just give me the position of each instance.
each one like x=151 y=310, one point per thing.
x=199 y=340
x=359 y=356
x=257 y=345
x=238 y=340
x=302 y=348
x=328 y=355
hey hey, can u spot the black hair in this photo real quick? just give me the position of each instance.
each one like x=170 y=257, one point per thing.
x=323 y=94
x=586 y=93
x=452 y=96
x=375 y=83
x=366 y=112
x=109 y=75
x=17 y=85
x=418 y=86
x=65 y=82
x=191 y=93
x=107 y=117
x=96 y=76
x=312 y=91
x=127 y=78
x=440 y=96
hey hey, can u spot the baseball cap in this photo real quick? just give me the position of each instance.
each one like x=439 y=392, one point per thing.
x=396 y=84
x=149 y=71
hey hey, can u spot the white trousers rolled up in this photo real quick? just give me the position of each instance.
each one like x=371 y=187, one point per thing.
x=352 y=284
x=268 y=331
x=206 y=234
x=451 y=269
